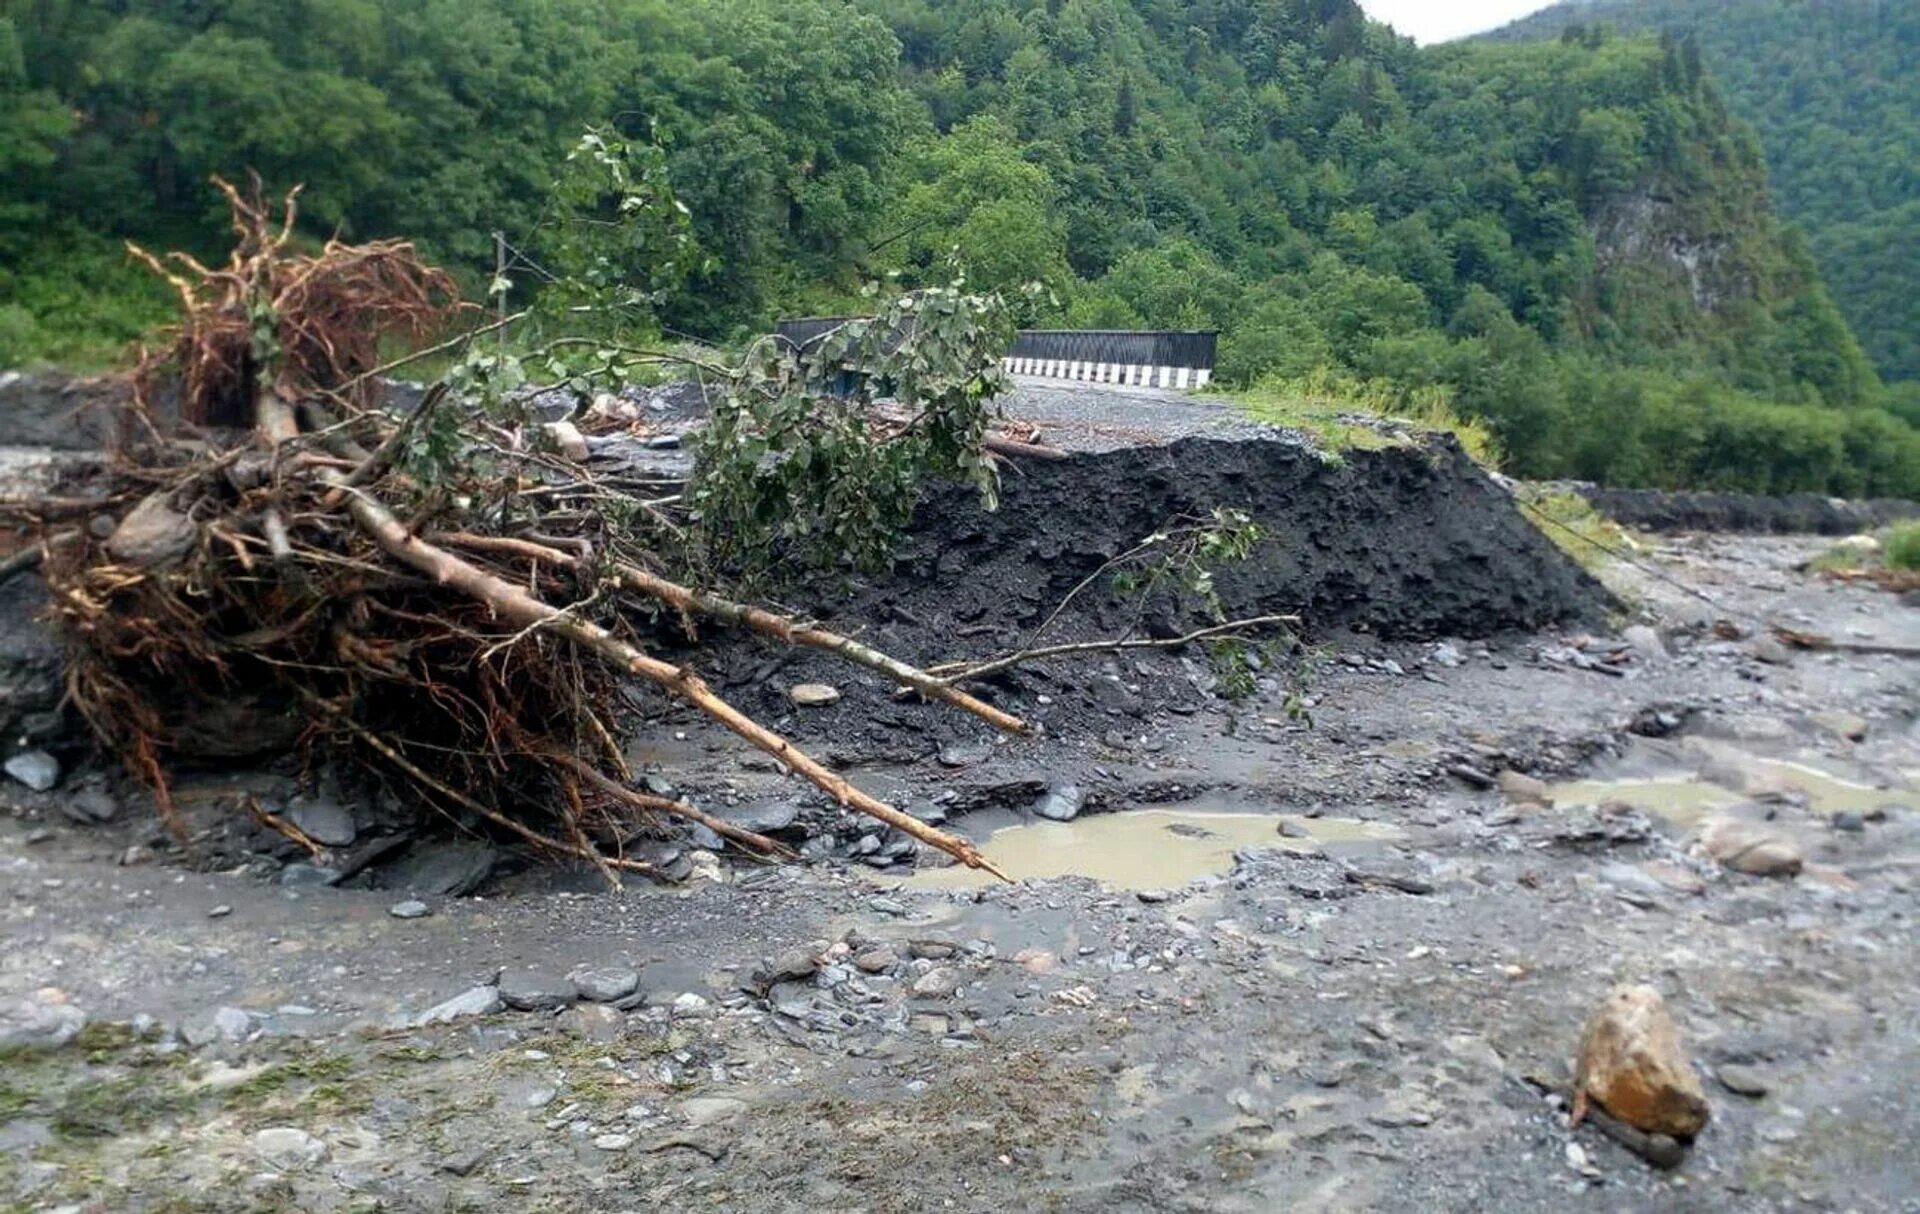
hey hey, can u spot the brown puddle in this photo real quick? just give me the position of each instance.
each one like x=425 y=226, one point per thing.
x=1143 y=849
x=1685 y=800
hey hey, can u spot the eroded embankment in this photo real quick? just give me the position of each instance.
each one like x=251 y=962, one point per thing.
x=1745 y=513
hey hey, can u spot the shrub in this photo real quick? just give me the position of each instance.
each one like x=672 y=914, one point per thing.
x=1903 y=547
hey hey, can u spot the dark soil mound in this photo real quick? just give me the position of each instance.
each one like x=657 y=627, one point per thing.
x=1406 y=541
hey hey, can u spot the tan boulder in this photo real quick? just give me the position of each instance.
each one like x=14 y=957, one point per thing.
x=1750 y=847
x=1631 y=1065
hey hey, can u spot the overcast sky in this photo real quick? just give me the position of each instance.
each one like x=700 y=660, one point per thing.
x=1439 y=20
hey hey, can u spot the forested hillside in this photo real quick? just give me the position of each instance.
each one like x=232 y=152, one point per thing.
x=1833 y=89
x=1570 y=240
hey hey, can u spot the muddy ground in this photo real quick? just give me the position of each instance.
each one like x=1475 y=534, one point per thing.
x=1321 y=967
x=1344 y=1025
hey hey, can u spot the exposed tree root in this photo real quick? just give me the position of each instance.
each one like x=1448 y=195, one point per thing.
x=459 y=626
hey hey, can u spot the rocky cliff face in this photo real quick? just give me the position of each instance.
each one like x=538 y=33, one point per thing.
x=1652 y=230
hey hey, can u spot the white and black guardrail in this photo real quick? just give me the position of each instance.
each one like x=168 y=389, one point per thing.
x=1147 y=358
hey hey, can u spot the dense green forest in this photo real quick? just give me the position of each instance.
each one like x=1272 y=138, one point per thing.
x=1833 y=90
x=1572 y=241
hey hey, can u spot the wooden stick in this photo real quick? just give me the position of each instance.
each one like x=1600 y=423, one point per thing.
x=780 y=627
x=639 y=800
x=485 y=811
x=518 y=607
x=961 y=671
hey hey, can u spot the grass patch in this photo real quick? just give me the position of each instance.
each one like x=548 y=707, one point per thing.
x=1346 y=414
x=1902 y=547
x=125 y=1104
x=1591 y=538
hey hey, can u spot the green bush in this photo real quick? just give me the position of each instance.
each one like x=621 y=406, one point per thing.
x=1903 y=547
x=19 y=336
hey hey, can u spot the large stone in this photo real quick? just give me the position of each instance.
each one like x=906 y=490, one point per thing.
x=1750 y=847
x=535 y=990
x=604 y=983
x=40 y=1023
x=1631 y=1065
x=568 y=440
x=1061 y=804
x=474 y=1001
x=763 y=817
x=287 y=1149
x=153 y=533
x=1645 y=643
x=595 y=1022
x=441 y=870
x=814 y=695
x=324 y=820
x=36 y=769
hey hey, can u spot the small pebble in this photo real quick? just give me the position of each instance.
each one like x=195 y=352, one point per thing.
x=412 y=908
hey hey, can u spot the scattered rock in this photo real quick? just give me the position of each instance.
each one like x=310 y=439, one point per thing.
x=937 y=983
x=444 y=870
x=1767 y=648
x=964 y=754
x=1631 y=1064
x=1523 y=789
x=814 y=695
x=90 y=805
x=878 y=960
x=1673 y=877
x=301 y=875
x=765 y=817
x=691 y=1006
x=534 y=990
x=613 y=1142
x=604 y=984
x=1153 y=896
x=232 y=1023
x=1741 y=1081
x=794 y=965
x=1750 y=847
x=325 y=821
x=1645 y=643
x=44 y=1022
x=466 y=1163
x=568 y=440
x=220 y=912
x=1061 y=804
x=475 y=1001
x=1847 y=820
x=36 y=769
x=595 y=1022
x=153 y=533
x=702 y=1111
x=412 y=908
x=1036 y=960
x=1844 y=725
x=287 y=1149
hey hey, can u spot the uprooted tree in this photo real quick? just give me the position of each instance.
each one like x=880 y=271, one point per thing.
x=447 y=594
x=444 y=594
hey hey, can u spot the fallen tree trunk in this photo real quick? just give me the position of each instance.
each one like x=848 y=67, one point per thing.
x=519 y=607
x=780 y=627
